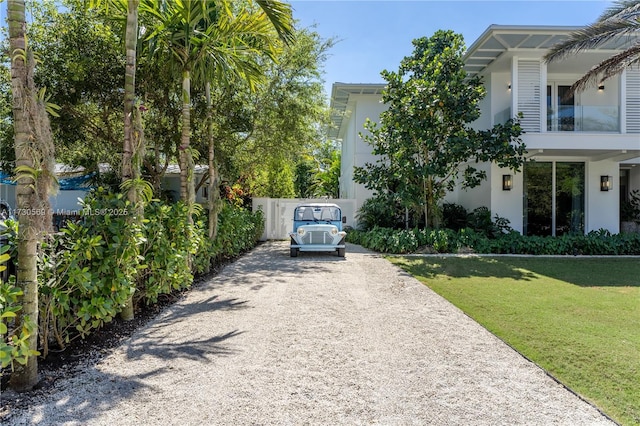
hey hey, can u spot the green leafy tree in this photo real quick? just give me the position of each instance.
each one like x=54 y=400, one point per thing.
x=210 y=39
x=83 y=50
x=621 y=21
x=286 y=113
x=425 y=142
x=304 y=173
x=327 y=176
x=279 y=179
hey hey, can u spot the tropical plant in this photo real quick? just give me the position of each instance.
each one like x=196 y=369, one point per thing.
x=327 y=177
x=599 y=242
x=454 y=216
x=210 y=39
x=620 y=22
x=382 y=210
x=14 y=342
x=88 y=273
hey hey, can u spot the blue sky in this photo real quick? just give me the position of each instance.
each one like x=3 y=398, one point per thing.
x=376 y=35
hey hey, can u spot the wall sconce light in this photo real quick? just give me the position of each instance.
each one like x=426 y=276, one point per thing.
x=509 y=86
x=601 y=87
x=606 y=183
x=507 y=182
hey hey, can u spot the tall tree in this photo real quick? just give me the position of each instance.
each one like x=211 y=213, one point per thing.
x=133 y=146
x=327 y=177
x=424 y=139
x=133 y=140
x=33 y=171
x=621 y=21
x=211 y=39
x=84 y=75
x=287 y=113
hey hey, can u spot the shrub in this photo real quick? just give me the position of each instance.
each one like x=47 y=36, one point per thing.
x=239 y=230
x=381 y=211
x=600 y=242
x=170 y=242
x=454 y=216
x=14 y=345
x=88 y=271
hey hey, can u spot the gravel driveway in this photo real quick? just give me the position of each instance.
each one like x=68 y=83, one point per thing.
x=274 y=340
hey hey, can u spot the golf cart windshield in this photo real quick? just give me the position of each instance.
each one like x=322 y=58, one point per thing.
x=317 y=213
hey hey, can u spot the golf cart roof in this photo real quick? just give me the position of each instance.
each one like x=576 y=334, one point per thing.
x=317 y=205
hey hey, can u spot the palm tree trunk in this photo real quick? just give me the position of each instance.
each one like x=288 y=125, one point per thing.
x=24 y=377
x=129 y=146
x=131 y=37
x=214 y=192
x=187 y=183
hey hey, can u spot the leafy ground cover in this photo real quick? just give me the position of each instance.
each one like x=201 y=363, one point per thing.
x=578 y=318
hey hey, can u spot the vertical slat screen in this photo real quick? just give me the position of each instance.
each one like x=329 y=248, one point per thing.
x=529 y=95
x=633 y=100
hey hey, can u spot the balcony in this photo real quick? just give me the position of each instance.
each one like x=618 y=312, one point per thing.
x=592 y=119
x=586 y=118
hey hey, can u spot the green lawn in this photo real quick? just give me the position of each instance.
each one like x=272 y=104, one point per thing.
x=578 y=318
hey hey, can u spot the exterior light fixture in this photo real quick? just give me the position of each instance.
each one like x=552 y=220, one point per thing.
x=507 y=182
x=606 y=183
x=509 y=86
x=601 y=87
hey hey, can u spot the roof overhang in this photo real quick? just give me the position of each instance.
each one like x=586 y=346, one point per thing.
x=340 y=94
x=498 y=40
x=619 y=155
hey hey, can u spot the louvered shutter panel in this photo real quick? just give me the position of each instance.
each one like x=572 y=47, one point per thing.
x=529 y=95
x=633 y=100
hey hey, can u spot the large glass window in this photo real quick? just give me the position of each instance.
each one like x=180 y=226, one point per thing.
x=553 y=198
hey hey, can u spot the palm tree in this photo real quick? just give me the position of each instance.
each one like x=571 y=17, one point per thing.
x=209 y=40
x=621 y=20
x=33 y=171
x=133 y=144
x=133 y=147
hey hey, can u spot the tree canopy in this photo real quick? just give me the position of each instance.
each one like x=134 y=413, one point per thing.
x=425 y=140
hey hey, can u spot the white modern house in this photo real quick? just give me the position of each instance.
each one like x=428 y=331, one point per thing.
x=583 y=151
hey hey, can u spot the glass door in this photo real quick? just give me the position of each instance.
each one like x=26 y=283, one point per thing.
x=560 y=109
x=554 y=198
x=569 y=217
x=538 y=208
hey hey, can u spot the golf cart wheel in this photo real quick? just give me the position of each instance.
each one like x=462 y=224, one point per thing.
x=341 y=252
x=294 y=252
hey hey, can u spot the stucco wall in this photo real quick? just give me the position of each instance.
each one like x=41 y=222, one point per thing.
x=507 y=204
x=602 y=207
x=363 y=107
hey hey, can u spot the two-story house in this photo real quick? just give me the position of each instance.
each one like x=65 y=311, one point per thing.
x=583 y=150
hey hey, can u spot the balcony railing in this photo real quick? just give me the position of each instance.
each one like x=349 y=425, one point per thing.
x=584 y=119
x=591 y=119
x=502 y=116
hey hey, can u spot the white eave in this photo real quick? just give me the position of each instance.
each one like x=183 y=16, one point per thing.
x=340 y=93
x=500 y=39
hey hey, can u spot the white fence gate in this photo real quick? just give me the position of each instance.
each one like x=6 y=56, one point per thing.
x=278 y=214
